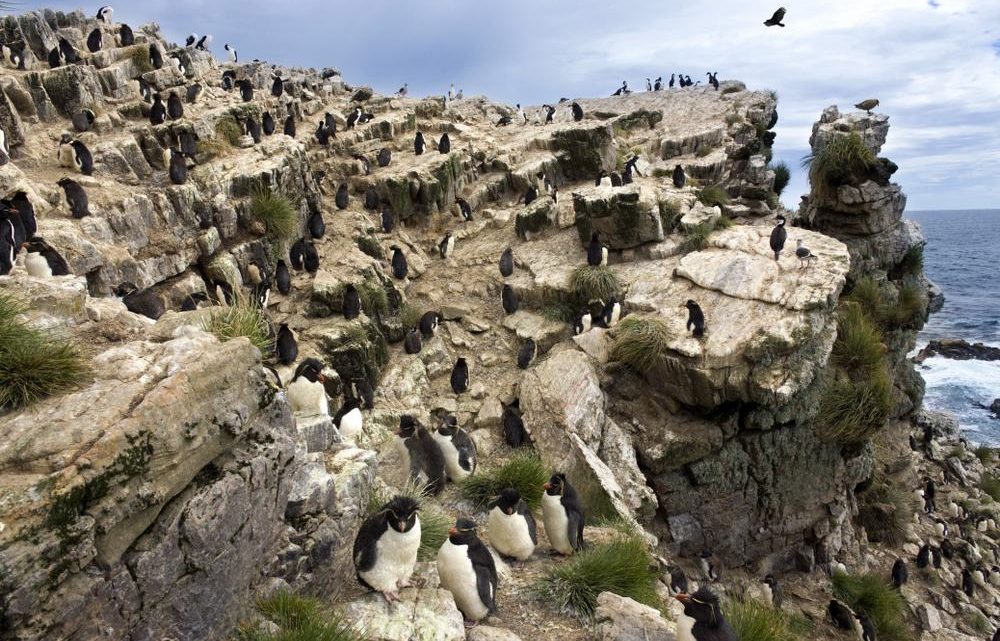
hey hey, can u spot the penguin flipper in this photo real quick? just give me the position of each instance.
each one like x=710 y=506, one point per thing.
x=486 y=575
x=364 y=544
x=466 y=450
x=575 y=529
x=522 y=509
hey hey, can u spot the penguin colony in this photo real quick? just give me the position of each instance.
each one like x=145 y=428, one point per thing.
x=385 y=549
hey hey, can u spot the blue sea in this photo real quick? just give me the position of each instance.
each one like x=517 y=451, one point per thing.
x=963 y=257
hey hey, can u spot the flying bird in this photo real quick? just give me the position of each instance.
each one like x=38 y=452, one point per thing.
x=776 y=19
x=867 y=105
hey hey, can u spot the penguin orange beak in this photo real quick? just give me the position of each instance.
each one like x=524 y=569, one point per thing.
x=322 y=379
x=683 y=598
x=547 y=486
x=452 y=531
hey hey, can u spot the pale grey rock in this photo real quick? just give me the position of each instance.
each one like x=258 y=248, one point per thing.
x=930 y=619
x=489 y=633
x=419 y=615
x=622 y=619
x=623 y=217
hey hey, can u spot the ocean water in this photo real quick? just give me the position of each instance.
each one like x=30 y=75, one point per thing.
x=963 y=257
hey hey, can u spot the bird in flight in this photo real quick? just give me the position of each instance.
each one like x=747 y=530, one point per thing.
x=776 y=19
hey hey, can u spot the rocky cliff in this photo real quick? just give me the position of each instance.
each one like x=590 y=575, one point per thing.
x=174 y=483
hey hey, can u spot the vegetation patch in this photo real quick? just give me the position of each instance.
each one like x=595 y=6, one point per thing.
x=227 y=129
x=297 y=618
x=883 y=604
x=370 y=245
x=243 y=318
x=885 y=511
x=734 y=119
x=593 y=282
x=854 y=408
x=912 y=263
x=714 y=196
x=139 y=55
x=991 y=485
x=844 y=159
x=753 y=620
x=621 y=566
x=275 y=211
x=374 y=299
x=782 y=175
x=640 y=342
x=34 y=363
x=524 y=472
x=670 y=214
x=696 y=238
x=859 y=342
x=409 y=315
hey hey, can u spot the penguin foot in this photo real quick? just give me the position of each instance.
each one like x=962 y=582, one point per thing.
x=391 y=596
x=470 y=624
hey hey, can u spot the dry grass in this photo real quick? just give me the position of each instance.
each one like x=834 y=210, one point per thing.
x=243 y=318
x=589 y=283
x=275 y=211
x=883 y=604
x=640 y=342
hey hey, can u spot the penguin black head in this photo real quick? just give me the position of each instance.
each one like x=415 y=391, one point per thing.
x=311 y=369
x=508 y=500
x=448 y=426
x=770 y=580
x=407 y=426
x=401 y=513
x=124 y=289
x=556 y=485
x=781 y=219
x=65 y=139
x=691 y=304
x=702 y=606
x=463 y=533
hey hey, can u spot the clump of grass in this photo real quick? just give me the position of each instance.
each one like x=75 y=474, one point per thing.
x=991 y=485
x=369 y=344
x=297 y=618
x=885 y=511
x=227 y=129
x=370 y=245
x=868 y=294
x=870 y=594
x=670 y=212
x=713 y=196
x=409 y=315
x=559 y=312
x=782 y=175
x=696 y=237
x=734 y=119
x=34 y=363
x=756 y=621
x=211 y=149
x=912 y=263
x=985 y=454
x=724 y=222
x=640 y=342
x=590 y=282
x=978 y=622
x=704 y=150
x=859 y=342
x=844 y=159
x=621 y=566
x=243 y=318
x=524 y=472
x=853 y=410
x=275 y=211
x=908 y=312
x=139 y=55
x=374 y=299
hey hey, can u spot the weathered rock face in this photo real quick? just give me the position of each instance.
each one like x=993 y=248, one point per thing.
x=623 y=218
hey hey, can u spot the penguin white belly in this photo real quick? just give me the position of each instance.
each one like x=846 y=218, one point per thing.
x=451 y=464
x=449 y=246
x=395 y=558
x=307 y=398
x=36 y=265
x=606 y=181
x=350 y=424
x=767 y=596
x=684 y=628
x=509 y=534
x=556 y=523
x=458 y=577
x=67 y=156
x=604 y=255
x=616 y=312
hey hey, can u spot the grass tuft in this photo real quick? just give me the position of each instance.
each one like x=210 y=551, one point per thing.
x=859 y=342
x=870 y=594
x=139 y=55
x=978 y=622
x=852 y=410
x=985 y=454
x=670 y=213
x=275 y=211
x=228 y=130
x=640 y=342
x=34 y=363
x=589 y=282
x=885 y=511
x=370 y=245
x=713 y=195
x=409 y=315
x=243 y=318
x=374 y=299
x=756 y=621
x=524 y=472
x=868 y=294
x=844 y=159
x=297 y=618
x=782 y=175
x=734 y=119
x=621 y=566
x=910 y=307
x=991 y=485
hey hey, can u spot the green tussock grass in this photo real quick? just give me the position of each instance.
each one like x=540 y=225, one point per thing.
x=228 y=130
x=991 y=485
x=844 y=159
x=868 y=294
x=985 y=454
x=696 y=238
x=589 y=282
x=782 y=176
x=275 y=211
x=885 y=511
x=524 y=472
x=978 y=623
x=409 y=315
x=298 y=618
x=370 y=345
x=670 y=212
x=875 y=597
x=852 y=410
x=370 y=245
x=713 y=195
x=374 y=299
x=34 y=363
x=640 y=342
x=241 y=319
x=139 y=55
x=756 y=621
x=908 y=310
x=859 y=342
x=621 y=566
x=559 y=312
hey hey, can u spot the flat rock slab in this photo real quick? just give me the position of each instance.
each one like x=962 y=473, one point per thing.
x=419 y=615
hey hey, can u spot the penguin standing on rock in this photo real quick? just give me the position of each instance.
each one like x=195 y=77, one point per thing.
x=577 y=111
x=73 y=153
x=385 y=550
x=429 y=323
x=155 y=56
x=924 y=556
x=418 y=143
x=968 y=585
x=867 y=627
x=348 y=419
x=562 y=513
x=460 y=376
x=289 y=127
x=252 y=129
x=514 y=433
x=351 y=305
x=841 y=615
x=678 y=581
x=282 y=278
x=178 y=167
x=26 y=211
x=597 y=254
x=175 y=109
x=158 y=112
x=512 y=529
x=459 y=449
x=287 y=347
x=125 y=35
x=696 y=319
x=310 y=258
x=526 y=354
x=679 y=177
x=778 y=237
x=930 y=491
x=145 y=302
x=76 y=198
x=900 y=574
x=82 y=120
x=94 y=41
x=41 y=260
x=708 y=571
x=709 y=622
x=421 y=455
x=384 y=157
x=267 y=123
x=508 y=299
x=231 y=53
x=507 y=262
x=464 y=208
x=306 y=393
x=447 y=245
x=400 y=268
x=412 y=343
x=444 y=144
x=467 y=570
x=317 y=228
x=343 y=196
x=775 y=595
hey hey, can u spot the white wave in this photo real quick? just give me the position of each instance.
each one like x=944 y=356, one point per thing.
x=958 y=386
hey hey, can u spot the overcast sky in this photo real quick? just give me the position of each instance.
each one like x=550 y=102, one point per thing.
x=934 y=64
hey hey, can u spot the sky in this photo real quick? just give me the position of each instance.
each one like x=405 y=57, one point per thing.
x=934 y=64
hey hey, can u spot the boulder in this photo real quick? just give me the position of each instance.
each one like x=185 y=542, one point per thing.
x=700 y=216
x=584 y=150
x=619 y=618
x=959 y=350
x=489 y=633
x=623 y=217
x=419 y=615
